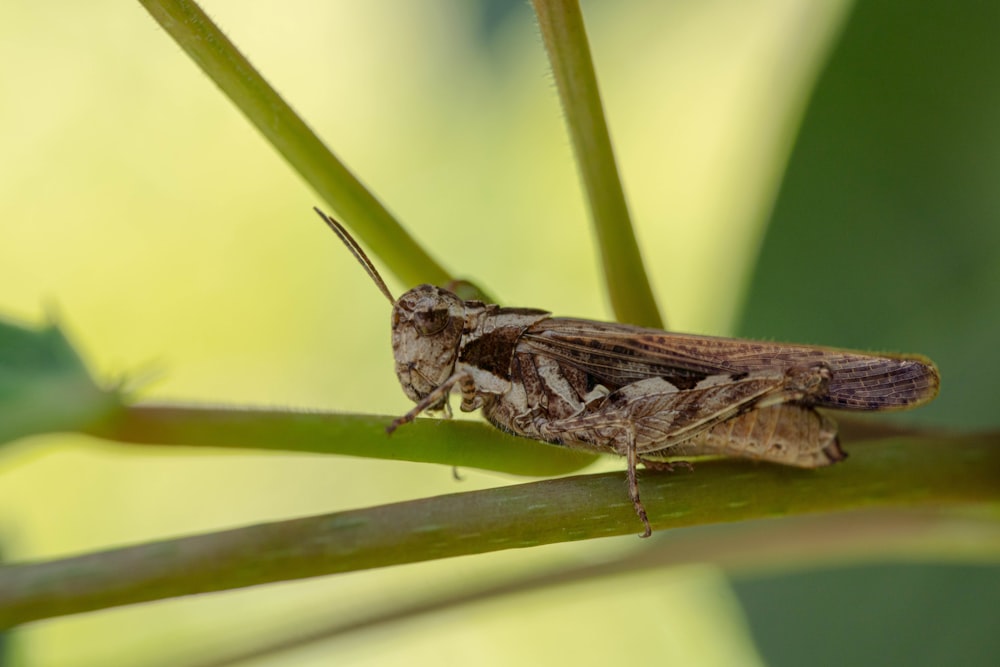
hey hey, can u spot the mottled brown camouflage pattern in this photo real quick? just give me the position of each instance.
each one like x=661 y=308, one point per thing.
x=641 y=393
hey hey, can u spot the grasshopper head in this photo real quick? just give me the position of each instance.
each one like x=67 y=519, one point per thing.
x=427 y=324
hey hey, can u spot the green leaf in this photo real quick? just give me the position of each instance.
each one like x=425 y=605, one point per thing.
x=44 y=385
x=886 y=231
x=885 y=236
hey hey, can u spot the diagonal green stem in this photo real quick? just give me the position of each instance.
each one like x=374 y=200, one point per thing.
x=218 y=58
x=894 y=473
x=566 y=42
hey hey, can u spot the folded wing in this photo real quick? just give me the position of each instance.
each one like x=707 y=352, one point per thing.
x=616 y=355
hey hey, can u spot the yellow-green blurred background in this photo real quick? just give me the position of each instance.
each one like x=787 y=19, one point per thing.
x=140 y=210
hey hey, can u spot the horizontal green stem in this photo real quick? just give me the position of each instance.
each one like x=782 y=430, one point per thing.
x=894 y=473
x=754 y=546
x=449 y=442
x=219 y=58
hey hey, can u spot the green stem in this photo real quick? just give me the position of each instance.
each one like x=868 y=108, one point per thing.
x=454 y=443
x=757 y=545
x=218 y=58
x=569 y=53
x=894 y=473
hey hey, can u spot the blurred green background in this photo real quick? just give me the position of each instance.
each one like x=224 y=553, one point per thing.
x=141 y=211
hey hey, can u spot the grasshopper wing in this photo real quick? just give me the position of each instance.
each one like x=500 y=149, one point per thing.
x=616 y=355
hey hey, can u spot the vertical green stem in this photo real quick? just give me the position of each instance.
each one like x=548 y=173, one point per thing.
x=195 y=32
x=566 y=42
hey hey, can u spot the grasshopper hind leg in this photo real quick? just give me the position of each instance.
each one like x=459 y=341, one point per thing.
x=663 y=465
x=789 y=434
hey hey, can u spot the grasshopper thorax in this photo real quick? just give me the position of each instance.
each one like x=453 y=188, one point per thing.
x=427 y=326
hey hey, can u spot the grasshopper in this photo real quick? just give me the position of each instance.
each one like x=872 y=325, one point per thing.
x=641 y=393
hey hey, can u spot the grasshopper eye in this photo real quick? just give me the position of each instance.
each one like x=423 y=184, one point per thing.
x=430 y=322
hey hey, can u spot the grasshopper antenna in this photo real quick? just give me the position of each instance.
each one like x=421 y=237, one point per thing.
x=358 y=253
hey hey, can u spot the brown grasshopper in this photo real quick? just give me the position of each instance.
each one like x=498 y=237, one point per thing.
x=640 y=393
